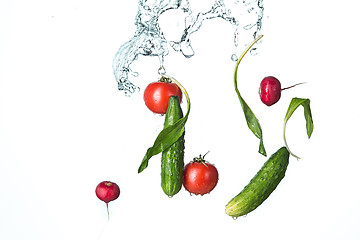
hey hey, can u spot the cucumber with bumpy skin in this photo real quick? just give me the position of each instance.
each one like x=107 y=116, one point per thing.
x=261 y=186
x=172 y=159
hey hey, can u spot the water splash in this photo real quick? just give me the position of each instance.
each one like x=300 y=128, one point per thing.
x=149 y=40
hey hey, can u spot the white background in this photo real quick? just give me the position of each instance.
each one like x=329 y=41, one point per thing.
x=64 y=126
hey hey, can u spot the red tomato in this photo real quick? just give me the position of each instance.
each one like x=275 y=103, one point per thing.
x=200 y=177
x=157 y=94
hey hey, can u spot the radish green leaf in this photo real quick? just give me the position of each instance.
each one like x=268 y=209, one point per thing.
x=294 y=104
x=250 y=117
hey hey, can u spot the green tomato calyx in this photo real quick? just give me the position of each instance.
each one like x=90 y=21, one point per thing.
x=201 y=159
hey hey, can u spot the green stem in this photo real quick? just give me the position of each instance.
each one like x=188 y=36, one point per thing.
x=182 y=89
x=238 y=62
x=286 y=145
x=250 y=117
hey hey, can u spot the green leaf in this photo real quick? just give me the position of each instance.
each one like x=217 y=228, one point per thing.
x=168 y=136
x=250 y=117
x=252 y=123
x=294 y=104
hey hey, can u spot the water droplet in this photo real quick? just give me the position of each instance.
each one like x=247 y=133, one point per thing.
x=187 y=49
x=234 y=218
x=161 y=69
x=254 y=51
x=234 y=57
x=135 y=74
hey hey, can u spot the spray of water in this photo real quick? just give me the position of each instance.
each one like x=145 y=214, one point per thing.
x=149 y=40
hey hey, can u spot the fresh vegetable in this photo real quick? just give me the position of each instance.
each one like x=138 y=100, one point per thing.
x=200 y=177
x=270 y=90
x=172 y=159
x=261 y=186
x=294 y=104
x=107 y=191
x=272 y=172
x=157 y=94
x=169 y=135
x=250 y=117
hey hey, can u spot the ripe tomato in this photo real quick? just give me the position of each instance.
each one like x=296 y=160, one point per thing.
x=200 y=177
x=157 y=94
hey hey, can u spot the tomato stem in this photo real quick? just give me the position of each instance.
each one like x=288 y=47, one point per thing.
x=165 y=79
x=201 y=159
x=205 y=154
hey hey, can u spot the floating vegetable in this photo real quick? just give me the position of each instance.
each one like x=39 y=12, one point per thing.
x=157 y=94
x=261 y=185
x=172 y=158
x=169 y=135
x=270 y=90
x=272 y=172
x=107 y=191
x=200 y=176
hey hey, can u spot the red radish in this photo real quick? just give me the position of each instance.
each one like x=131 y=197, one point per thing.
x=270 y=90
x=107 y=191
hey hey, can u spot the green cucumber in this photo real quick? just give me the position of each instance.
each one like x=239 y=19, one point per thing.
x=261 y=186
x=172 y=159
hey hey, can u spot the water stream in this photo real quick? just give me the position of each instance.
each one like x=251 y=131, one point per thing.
x=149 y=39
